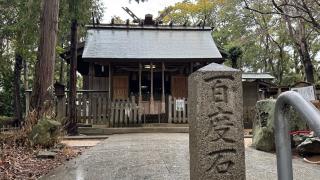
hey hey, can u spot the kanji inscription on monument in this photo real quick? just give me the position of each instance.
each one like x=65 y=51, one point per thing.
x=216 y=128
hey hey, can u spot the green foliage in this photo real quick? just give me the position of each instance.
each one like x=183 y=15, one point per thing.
x=19 y=34
x=6 y=96
x=265 y=43
x=235 y=54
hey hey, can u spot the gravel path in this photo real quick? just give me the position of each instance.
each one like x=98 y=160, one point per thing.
x=159 y=156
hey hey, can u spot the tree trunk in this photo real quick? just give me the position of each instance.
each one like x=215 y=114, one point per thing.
x=305 y=54
x=17 y=88
x=72 y=123
x=308 y=66
x=300 y=41
x=296 y=62
x=61 y=73
x=46 y=56
x=25 y=75
x=234 y=63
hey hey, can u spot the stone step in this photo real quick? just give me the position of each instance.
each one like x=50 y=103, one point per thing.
x=84 y=137
x=164 y=125
x=110 y=131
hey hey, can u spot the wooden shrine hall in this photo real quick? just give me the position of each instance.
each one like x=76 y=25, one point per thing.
x=147 y=64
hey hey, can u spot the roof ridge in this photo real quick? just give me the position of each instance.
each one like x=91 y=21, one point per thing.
x=149 y=27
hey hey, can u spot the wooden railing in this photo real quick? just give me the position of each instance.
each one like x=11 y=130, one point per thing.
x=177 y=110
x=95 y=108
x=92 y=107
x=124 y=113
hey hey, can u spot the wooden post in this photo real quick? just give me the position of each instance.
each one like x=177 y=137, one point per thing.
x=27 y=102
x=151 y=90
x=61 y=102
x=174 y=110
x=140 y=83
x=133 y=110
x=90 y=95
x=170 y=109
x=116 y=118
x=163 y=90
x=91 y=74
x=112 y=111
x=121 y=123
x=140 y=94
x=109 y=82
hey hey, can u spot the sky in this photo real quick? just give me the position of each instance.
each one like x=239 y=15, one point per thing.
x=113 y=7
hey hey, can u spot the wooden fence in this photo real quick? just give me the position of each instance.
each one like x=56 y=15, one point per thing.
x=95 y=108
x=92 y=107
x=124 y=113
x=177 y=110
x=5 y=128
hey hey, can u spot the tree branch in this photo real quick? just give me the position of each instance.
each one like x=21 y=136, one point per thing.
x=280 y=11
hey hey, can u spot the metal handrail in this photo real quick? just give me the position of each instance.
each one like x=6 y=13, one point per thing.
x=307 y=112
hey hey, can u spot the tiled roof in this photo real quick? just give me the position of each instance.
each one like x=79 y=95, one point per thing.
x=257 y=76
x=150 y=42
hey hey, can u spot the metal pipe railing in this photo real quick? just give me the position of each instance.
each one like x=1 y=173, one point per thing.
x=307 y=112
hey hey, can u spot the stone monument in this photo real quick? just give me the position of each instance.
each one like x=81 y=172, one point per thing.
x=216 y=128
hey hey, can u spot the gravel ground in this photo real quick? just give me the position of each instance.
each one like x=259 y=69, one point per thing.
x=161 y=156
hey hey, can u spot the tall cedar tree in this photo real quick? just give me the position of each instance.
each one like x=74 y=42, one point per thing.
x=72 y=123
x=46 y=56
x=17 y=88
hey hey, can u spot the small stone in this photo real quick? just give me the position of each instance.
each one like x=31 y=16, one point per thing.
x=60 y=146
x=263 y=124
x=45 y=133
x=46 y=155
x=56 y=150
x=263 y=135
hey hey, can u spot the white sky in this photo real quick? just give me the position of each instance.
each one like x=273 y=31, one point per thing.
x=113 y=7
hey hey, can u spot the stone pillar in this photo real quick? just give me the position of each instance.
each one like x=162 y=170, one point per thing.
x=216 y=127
